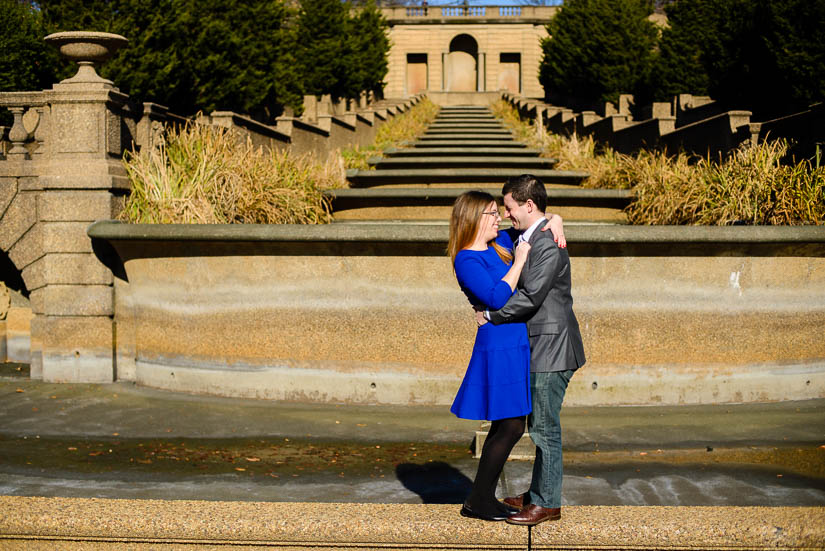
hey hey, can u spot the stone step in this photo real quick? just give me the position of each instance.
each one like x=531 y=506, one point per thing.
x=526 y=164
x=369 y=178
x=467 y=120
x=465 y=116
x=421 y=204
x=461 y=152
x=475 y=131
x=464 y=108
x=465 y=126
x=468 y=138
x=454 y=142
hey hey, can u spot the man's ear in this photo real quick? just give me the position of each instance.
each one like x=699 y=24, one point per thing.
x=531 y=206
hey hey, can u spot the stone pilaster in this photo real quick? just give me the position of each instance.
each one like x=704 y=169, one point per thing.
x=82 y=180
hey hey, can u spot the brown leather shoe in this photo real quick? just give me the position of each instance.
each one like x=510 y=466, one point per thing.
x=517 y=501
x=533 y=514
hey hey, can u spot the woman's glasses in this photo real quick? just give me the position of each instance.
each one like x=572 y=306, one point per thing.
x=492 y=213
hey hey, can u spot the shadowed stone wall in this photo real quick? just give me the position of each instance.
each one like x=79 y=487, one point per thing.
x=372 y=314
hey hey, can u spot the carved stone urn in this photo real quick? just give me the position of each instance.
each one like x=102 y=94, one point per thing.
x=86 y=48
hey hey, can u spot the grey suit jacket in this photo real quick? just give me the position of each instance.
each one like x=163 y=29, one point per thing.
x=543 y=300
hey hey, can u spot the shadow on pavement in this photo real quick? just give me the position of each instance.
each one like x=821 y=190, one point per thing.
x=435 y=482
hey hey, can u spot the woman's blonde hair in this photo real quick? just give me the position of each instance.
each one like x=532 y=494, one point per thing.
x=464 y=221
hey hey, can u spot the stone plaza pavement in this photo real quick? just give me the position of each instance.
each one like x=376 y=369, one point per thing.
x=62 y=490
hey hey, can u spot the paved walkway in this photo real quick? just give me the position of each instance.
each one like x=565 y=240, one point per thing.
x=121 y=440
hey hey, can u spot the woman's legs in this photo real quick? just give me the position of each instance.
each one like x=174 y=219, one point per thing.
x=503 y=435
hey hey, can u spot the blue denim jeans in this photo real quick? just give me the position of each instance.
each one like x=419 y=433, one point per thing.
x=545 y=430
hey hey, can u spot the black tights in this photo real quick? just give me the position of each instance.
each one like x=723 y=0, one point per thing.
x=503 y=435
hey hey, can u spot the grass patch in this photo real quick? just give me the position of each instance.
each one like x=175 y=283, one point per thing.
x=402 y=128
x=202 y=174
x=752 y=185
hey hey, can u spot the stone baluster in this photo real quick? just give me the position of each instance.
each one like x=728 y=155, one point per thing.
x=18 y=134
x=41 y=131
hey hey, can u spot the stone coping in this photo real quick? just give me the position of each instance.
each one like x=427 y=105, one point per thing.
x=462 y=151
x=452 y=193
x=28 y=520
x=400 y=176
x=583 y=240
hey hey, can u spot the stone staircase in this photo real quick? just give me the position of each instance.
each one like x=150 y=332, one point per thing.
x=464 y=148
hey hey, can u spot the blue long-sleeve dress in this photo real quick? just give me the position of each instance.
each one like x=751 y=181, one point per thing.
x=496 y=384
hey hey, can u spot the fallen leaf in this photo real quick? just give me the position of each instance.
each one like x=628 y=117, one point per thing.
x=253 y=459
x=72 y=449
x=240 y=469
x=642 y=453
x=115 y=434
x=20 y=390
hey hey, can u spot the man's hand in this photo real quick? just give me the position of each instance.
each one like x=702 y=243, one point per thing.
x=480 y=319
x=556 y=225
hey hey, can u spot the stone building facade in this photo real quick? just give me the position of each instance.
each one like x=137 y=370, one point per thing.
x=466 y=49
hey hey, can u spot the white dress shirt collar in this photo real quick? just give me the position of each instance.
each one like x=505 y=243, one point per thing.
x=528 y=233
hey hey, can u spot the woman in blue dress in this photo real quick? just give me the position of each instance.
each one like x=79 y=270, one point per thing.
x=496 y=385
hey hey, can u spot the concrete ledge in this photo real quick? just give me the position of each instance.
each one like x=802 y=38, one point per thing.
x=44 y=523
x=584 y=240
x=718 y=314
x=365 y=178
x=343 y=199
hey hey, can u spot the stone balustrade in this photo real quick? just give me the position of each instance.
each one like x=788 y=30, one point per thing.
x=527 y=14
x=62 y=169
x=694 y=124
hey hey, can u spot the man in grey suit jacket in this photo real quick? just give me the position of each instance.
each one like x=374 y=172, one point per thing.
x=543 y=300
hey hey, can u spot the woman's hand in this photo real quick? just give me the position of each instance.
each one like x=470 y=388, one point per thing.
x=519 y=259
x=522 y=250
x=556 y=225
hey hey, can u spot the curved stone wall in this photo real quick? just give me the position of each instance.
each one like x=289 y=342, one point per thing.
x=372 y=313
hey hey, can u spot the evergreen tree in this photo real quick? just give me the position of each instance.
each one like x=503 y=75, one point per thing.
x=761 y=55
x=370 y=46
x=680 y=65
x=195 y=55
x=598 y=49
x=26 y=61
x=324 y=49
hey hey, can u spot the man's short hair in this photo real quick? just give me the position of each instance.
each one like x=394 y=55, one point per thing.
x=526 y=187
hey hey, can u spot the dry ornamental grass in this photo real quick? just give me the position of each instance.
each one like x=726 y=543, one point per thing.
x=402 y=128
x=753 y=185
x=201 y=174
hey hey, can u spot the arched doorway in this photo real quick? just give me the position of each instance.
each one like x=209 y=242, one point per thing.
x=462 y=65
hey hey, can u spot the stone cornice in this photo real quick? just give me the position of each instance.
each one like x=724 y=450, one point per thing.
x=429 y=239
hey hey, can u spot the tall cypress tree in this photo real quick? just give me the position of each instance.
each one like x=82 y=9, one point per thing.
x=324 y=51
x=370 y=46
x=761 y=55
x=598 y=49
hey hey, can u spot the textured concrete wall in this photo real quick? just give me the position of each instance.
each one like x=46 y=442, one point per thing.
x=372 y=318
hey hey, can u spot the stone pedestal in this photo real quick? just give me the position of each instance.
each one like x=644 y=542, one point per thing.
x=81 y=180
